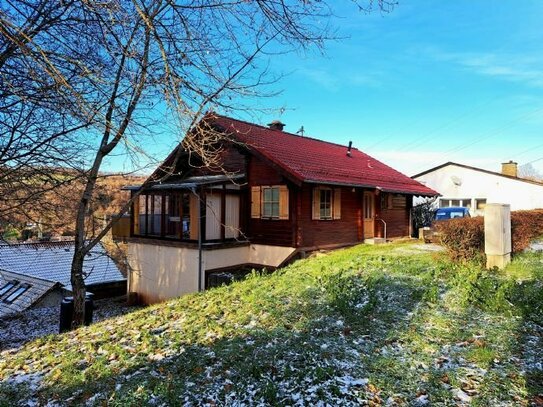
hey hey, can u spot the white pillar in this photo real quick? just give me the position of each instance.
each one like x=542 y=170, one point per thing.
x=497 y=235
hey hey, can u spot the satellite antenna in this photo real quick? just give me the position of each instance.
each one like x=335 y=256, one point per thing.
x=456 y=180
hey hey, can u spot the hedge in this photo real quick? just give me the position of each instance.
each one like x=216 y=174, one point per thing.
x=464 y=238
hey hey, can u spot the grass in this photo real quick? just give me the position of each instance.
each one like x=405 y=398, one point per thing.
x=370 y=324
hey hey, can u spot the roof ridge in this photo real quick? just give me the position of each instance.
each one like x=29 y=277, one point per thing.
x=284 y=132
x=45 y=244
x=470 y=167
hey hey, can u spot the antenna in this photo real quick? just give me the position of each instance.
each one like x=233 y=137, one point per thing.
x=301 y=131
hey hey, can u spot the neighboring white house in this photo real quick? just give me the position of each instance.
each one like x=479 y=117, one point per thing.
x=462 y=185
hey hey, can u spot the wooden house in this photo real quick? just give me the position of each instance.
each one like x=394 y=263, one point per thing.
x=276 y=195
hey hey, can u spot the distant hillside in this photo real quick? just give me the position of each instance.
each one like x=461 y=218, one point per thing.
x=54 y=212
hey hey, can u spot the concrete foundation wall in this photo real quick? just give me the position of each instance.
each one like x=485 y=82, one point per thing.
x=158 y=273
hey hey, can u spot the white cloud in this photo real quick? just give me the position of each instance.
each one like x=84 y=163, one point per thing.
x=509 y=66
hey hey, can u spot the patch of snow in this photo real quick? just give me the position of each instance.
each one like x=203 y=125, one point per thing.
x=19 y=329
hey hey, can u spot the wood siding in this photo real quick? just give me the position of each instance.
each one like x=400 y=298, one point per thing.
x=277 y=232
x=397 y=217
x=316 y=233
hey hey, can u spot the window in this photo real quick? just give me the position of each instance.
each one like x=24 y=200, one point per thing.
x=270 y=202
x=140 y=215
x=172 y=215
x=8 y=286
x=480 y=204
x=17 y=293
x=187 y=214
x=386 y=201
x=326 y=203
x=155 y=215
x=446 y=203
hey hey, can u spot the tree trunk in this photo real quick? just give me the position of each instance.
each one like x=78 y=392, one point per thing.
x=78 y=289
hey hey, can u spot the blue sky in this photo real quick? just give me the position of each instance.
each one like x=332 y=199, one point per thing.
x=429 y=82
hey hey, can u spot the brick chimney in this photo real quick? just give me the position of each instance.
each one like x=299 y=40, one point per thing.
x=276 y=125
x=510 y=168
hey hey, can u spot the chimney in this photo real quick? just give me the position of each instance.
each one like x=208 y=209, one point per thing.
x=510 y=169
x=349 y=149
x=276 y=125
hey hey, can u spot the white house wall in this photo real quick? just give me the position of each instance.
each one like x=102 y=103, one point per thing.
x=475 y=184
x=158 y=272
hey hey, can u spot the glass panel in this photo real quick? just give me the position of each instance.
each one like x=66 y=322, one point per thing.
x=156 y=215
x=275 y=210
x=455 y=202
x=173 y=217
x=326 y=204
x=7 y=287
x=17 y=293
x=270 y=202
x=185 y=209
x=267 y=212
x=467 y=203
x=480 y=203
x=444 y=203
x=275 y=194
x=142 y=214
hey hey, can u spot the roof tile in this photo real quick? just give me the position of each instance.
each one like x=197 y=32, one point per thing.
x=317 y=161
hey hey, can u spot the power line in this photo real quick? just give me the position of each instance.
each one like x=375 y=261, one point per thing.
x=493 y=133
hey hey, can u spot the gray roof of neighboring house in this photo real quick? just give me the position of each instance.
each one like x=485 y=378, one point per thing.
x=37 y=289
x=51 y=261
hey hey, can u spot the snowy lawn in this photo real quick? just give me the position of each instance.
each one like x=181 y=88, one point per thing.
x=19 y=329
x=372 y=325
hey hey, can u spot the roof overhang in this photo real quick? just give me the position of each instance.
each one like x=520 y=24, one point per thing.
x=368 y=186
x=189 y=183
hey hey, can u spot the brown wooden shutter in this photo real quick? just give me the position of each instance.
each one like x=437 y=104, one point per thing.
x=194 y=202
x=283 y=202
x=316 y=204
x=255 y=202
x=337 y=204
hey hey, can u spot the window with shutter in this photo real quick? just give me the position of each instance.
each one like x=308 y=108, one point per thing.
x=326 y=203
x=270 y=202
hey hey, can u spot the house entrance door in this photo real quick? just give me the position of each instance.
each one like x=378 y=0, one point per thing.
x=369 y=214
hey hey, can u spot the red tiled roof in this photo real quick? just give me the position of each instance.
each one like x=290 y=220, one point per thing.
x=316 y=161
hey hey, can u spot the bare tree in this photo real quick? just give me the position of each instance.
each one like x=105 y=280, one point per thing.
x=528 y=171
x=109 y=72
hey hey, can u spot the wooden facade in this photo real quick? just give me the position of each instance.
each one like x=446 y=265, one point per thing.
x=229 y=212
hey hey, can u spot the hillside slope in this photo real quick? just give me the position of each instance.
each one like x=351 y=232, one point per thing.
x=394 y=324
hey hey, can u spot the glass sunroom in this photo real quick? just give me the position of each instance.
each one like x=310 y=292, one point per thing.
x=209 y=206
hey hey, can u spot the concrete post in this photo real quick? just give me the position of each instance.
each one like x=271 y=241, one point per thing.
x=497 y=235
